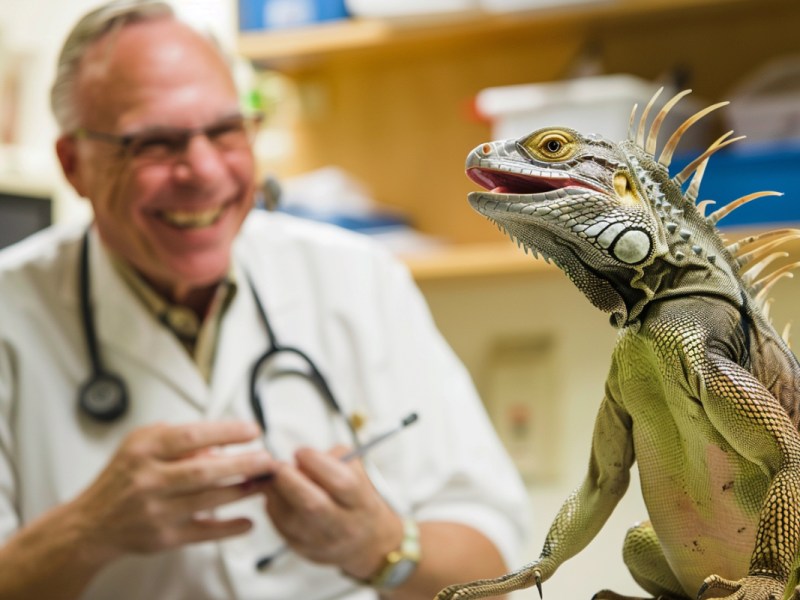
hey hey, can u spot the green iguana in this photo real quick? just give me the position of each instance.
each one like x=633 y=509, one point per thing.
x=702 y=392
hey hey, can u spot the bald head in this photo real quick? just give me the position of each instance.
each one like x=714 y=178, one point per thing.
x=125 y=69
x=92 y=44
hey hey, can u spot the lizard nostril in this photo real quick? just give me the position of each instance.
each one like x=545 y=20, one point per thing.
x=486 y=148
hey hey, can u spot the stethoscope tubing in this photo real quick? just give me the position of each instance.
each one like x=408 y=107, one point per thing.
x=274 y=347
x=104 y=395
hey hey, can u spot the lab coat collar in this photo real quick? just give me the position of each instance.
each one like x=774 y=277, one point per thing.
x=119 y=319
x=119 y=316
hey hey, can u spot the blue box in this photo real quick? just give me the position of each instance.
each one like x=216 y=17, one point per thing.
x=255 y=15
x=773 y=166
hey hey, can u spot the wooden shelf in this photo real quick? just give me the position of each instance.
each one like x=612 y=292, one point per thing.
x=490 y=259
x=293 y=47
x=310 y=41
x=390 y=101
x=504 y=259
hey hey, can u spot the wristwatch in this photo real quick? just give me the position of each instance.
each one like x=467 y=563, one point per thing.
x=399 y=564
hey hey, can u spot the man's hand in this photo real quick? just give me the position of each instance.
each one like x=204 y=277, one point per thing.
x=329 y=512
x=154 y=493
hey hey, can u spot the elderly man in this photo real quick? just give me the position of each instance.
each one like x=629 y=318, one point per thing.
x=133 y=373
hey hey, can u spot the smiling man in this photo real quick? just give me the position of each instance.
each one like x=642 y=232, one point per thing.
x=170 y=192
x=139 y=382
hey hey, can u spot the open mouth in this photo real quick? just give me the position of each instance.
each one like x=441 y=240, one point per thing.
x=192 y=219
x=503 y=182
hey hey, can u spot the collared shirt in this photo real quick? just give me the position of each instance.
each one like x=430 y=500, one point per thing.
x=198 y=337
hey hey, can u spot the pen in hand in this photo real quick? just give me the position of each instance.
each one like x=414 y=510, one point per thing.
x=360 y=450
x=357 y=452
x=366 y=447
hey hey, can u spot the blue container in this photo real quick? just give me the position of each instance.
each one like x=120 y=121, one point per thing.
x=255 y=15
x=752 y=168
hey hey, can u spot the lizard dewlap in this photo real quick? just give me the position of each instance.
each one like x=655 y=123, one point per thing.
x=702 y=393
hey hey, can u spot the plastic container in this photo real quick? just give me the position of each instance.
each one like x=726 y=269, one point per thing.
x=766 y=105
x=599 y=104
x=283 y=14
x=407 y=8
x=751 y=168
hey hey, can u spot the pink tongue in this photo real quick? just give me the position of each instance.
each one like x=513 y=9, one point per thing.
x=500 y=190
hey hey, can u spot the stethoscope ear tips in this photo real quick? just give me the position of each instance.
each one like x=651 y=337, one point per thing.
x=104 y=397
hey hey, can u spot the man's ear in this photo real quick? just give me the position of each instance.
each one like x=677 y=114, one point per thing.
x=67 y=152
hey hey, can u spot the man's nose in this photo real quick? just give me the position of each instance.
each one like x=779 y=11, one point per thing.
x=201 y=160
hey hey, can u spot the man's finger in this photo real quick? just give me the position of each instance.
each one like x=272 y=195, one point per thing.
x=211 y=470
x=299 y=492
x=188 y=504
x=204 y=530
x=342 y=481
x=179 y=440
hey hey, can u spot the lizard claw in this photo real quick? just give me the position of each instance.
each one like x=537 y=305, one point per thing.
x=486 y=588
x=716 y=582
x=752 y=587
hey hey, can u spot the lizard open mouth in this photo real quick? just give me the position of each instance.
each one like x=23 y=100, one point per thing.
x=503 y=182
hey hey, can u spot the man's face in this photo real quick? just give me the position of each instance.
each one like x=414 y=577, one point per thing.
x=173 y=219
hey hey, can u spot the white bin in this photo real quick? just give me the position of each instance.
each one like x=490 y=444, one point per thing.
x=589 y=105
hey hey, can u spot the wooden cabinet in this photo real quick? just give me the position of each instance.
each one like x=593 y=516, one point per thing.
x=391 y=101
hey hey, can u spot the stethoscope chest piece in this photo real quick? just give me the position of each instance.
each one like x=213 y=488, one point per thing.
x=104 y=397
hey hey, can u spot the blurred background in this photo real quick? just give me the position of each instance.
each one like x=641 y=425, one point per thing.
x=372 y=107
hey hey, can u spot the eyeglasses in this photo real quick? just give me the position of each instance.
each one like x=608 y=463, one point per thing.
x=167 y=144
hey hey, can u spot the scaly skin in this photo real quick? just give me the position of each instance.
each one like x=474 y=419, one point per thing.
x=702 y=392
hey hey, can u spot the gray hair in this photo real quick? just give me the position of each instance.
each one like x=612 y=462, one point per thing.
x=89 y=29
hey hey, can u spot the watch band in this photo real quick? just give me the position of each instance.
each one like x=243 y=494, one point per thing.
x=399 y=564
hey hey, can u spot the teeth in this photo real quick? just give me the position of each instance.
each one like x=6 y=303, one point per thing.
x=187 y=219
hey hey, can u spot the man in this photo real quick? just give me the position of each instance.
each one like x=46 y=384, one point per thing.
x=172 y=495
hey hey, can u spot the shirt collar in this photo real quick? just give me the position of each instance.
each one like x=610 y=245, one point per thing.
x=197 y=335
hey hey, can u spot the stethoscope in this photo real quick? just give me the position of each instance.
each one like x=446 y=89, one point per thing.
x=104 y=396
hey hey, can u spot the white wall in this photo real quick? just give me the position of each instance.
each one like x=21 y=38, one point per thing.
x=32 y=32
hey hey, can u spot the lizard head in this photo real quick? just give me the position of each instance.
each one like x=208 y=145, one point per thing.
x=609 y=214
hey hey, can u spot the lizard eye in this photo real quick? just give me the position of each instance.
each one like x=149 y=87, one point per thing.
x=549 y=145
x=553 y=146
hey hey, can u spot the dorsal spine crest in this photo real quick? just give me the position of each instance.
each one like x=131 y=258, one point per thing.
x=671 y=205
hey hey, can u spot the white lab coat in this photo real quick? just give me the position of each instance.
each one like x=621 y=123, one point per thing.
x=330 y=293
